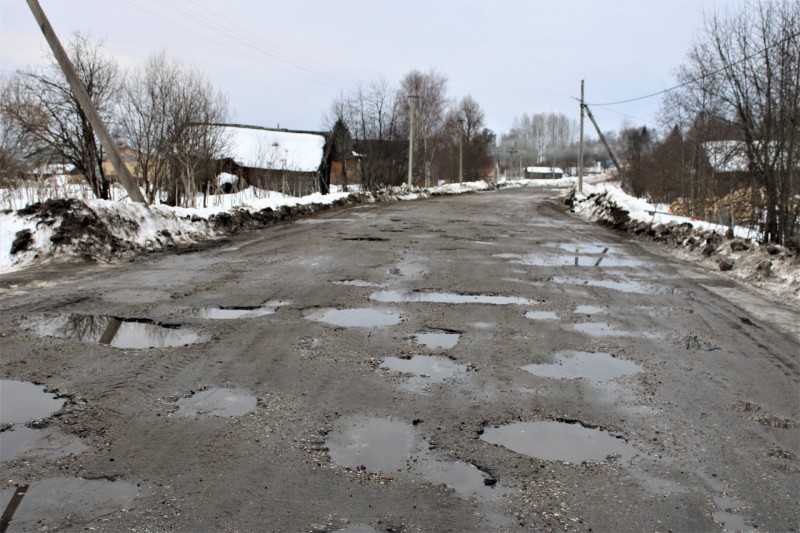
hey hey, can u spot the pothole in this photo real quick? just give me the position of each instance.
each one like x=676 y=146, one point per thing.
x=112 y=331
x=383 y=446
x=234 y=312
x=623 y=285
x=21 y=442
x=541 y=315
x=466 y=479
x=218 y=402
x=593 y=366
x=448 y=298
x=603 y=329
x=588 y=310
x=426 y=370
x=372 y=444
x=559 y=441
x=21 y=402
x=56 y=503
x=355 y=318
x=437 y=341
x=356 y=283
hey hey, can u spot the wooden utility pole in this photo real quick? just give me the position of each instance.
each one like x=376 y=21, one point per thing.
x=460 y=151
x=411 y=98
x=85 y=101
x=580 y=149
x=625 y=185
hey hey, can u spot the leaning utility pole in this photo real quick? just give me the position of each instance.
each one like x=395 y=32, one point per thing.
x=85 y=102
x=411 y=98
x=625 y=184
x=580 y=149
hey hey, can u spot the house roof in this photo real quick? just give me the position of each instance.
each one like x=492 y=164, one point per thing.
x=543 y=170
x=275 y=149
x=726 y=156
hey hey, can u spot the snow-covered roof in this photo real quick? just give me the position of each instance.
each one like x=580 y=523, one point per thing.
x=726 y=156
x=276 y=150
x=543 y=170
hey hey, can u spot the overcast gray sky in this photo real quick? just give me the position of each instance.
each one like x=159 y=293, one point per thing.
x=283 y=61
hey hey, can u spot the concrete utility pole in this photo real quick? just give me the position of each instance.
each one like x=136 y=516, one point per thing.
x=85 y=101
x=580 y=149
x=411 y=98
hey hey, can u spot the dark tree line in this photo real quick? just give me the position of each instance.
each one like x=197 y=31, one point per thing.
x=377 y=121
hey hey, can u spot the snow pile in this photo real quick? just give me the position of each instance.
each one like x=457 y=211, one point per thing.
x=768 y=266
x=100 y=230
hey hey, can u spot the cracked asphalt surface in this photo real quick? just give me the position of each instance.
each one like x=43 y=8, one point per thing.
x=333 y=440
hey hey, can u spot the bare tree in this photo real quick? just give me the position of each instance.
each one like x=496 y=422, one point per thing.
x=430 y=88
x=42 y=105
x=167 y=117
x=745 y=70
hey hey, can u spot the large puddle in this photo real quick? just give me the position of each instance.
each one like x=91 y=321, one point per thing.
x=62 y=503
x=218 y=402
x=603 y=329
x=379 y=445
x=437 y=341
x=231 y=313
x=426 y=370
x=620 y=285
x=541 y=315
x=448 y=298
x=112 y=331
x=373 y=444
x=466 y=479
x=21 y=402
x=21 y=442
x=558 y=441
x=578 y=259
x=593 y=366
x=355 y=318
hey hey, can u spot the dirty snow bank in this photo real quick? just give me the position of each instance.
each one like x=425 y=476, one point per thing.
x=770 y=267
x=100 y=230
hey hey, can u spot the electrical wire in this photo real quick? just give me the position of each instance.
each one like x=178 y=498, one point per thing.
x=309 y=75
x=234 y=31
x=694 y=80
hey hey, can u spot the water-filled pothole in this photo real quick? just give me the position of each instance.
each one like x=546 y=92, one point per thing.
x=588 y=310
x=541 y=315
x=372 y=444
x=558 y=441
x=21 y=402
x=218 y=402
x=57 y=503
x=621 y=285
x=46 y=444
x=355 y=318
x=593 y=366
x=379 y=445
x=448 y=298
x=434 y=341
x=233 y=312
x=425 y=368
x=112 y=331
x=466 y=479
x=603 y=329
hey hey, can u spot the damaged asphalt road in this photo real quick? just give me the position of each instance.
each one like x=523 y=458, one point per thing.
x=485 y=362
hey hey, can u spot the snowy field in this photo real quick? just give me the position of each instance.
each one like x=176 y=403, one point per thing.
x=31 y=235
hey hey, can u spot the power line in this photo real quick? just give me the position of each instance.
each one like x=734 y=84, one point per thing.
x=694 y=80
x=234 y=32
x=307 y=75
